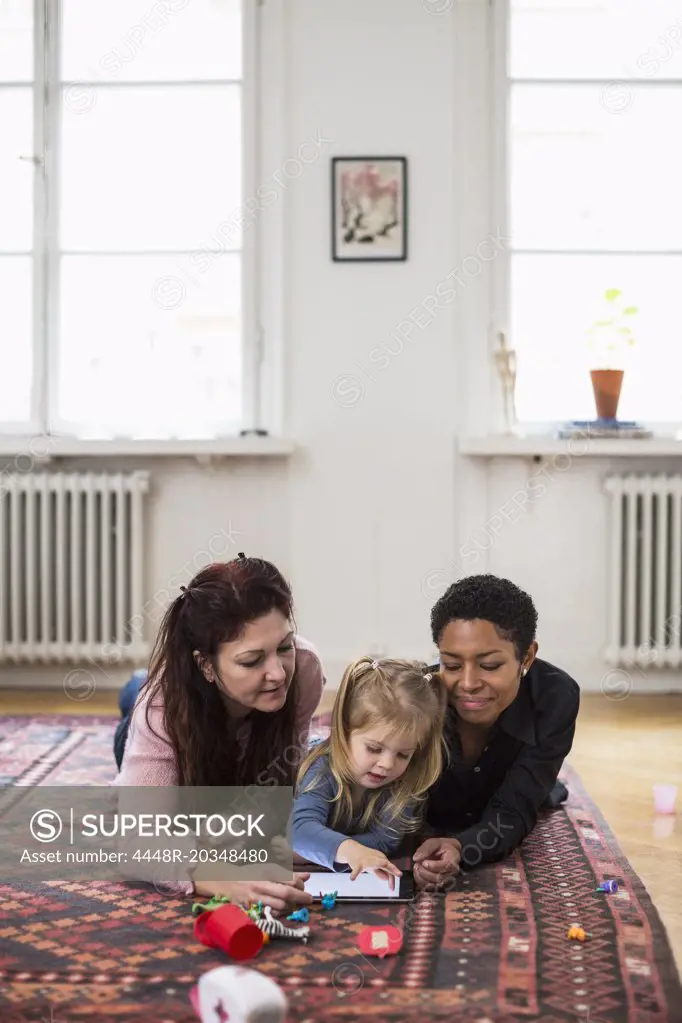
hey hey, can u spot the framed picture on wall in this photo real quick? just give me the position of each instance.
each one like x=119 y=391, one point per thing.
x=369 y=208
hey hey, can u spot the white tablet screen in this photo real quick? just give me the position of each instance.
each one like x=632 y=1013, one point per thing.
x=365 y=886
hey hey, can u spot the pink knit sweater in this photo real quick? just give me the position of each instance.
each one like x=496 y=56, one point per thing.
x=149 y=758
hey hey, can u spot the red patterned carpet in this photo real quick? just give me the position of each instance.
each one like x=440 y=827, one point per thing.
x=494 y=950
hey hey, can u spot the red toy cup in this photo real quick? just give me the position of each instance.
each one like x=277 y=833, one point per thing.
x=380 y=941
x=231 y=930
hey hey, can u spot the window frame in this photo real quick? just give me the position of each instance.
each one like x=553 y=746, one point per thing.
x=260 y=363
x=501 y=82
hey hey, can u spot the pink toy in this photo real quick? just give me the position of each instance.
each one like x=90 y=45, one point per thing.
x=664 y=798
x=380 y=941
x=238 y=995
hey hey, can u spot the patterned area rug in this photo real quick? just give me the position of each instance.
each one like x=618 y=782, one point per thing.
x=494 y=950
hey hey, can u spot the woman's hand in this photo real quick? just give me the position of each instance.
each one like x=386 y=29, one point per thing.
x=436 y=861
x=280 y=896
x=281 y=850
x=358 y=857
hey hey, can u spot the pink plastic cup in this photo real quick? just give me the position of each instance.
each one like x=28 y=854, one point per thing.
x=664 y=798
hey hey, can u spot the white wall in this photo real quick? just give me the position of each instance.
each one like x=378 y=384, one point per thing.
x=372 y=490
x=368 y=518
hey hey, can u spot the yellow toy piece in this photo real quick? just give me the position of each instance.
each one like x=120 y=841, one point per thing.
x=577 y=933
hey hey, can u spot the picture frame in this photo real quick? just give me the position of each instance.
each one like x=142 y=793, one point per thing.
x=369 y=209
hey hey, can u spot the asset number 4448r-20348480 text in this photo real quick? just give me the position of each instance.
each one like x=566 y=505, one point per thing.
x=147 y=856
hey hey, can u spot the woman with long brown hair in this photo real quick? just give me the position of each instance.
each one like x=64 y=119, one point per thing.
x=229 y=698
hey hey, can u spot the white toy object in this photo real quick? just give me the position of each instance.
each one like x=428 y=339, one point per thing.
x=274 y=928
x=238 y=995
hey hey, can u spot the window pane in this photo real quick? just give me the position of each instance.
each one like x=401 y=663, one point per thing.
x=555 y=299
x=16 y=344
x=595 y=39
x=16 y=175
x=583 y=177
x=147 y=352
x=16 y=40
x=152 y=168
x=136 y=40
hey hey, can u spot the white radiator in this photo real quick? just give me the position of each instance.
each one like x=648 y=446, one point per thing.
x=71 y=566
x=645 y=587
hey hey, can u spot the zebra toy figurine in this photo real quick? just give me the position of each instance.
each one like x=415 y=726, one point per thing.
x=275 y=928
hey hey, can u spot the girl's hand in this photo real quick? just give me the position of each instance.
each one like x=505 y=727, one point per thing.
x=358 y=857
x=436 y=860
x=281 y=897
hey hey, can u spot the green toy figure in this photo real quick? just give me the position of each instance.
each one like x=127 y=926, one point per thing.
x=255 y=912
x=213 y=903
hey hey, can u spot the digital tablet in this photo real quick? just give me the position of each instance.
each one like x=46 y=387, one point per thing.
x=366 y=887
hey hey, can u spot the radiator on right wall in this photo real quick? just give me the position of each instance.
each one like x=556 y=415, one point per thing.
x=645 y=570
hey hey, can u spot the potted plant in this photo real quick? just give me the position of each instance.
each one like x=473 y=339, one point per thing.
x=609 y=340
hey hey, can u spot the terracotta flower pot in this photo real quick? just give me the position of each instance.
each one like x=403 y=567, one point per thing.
x=606 y=384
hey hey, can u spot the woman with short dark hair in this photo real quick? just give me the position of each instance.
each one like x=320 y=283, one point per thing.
x=510 y=724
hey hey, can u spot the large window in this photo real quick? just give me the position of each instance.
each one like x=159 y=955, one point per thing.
x=121 y=255
x=592 y=94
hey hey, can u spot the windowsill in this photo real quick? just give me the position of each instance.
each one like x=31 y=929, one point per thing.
x=506 y=446
x=44 y=448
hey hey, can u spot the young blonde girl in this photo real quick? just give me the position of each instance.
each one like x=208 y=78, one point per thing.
x=362 y=789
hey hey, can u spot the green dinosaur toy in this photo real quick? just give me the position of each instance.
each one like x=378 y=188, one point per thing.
x=213 y=903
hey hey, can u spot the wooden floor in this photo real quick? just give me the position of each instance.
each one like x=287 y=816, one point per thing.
x=621 y=749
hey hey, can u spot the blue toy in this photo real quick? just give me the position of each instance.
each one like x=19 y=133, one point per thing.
x=329 y=901
x=608 y=886
x=300 y=915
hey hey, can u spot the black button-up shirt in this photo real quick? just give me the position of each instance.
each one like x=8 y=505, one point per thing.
x=491 y=806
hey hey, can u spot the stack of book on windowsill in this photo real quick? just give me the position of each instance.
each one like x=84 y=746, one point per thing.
x=602 y=428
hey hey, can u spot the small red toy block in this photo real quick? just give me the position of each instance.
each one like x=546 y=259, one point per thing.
x=380 y=941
